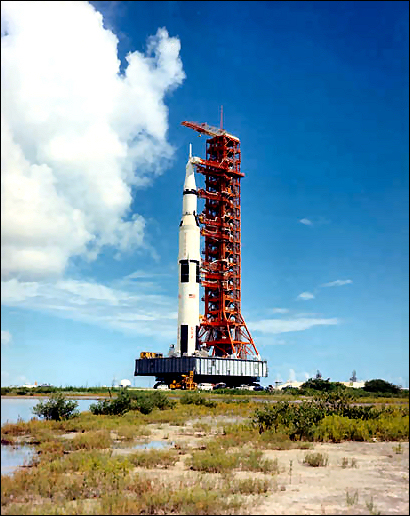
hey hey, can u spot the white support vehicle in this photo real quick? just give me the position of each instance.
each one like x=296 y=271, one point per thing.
x=205 y=386
x=162 y=387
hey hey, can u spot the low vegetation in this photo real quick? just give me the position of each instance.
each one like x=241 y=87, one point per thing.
x=227 y=470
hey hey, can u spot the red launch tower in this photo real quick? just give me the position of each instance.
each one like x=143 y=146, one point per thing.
x=222 y=329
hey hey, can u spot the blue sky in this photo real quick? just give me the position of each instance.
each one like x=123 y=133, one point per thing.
x=94 y=167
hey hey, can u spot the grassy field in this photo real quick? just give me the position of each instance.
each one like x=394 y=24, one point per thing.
x=224 y=456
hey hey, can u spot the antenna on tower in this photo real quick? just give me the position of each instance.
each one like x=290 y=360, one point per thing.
x=190 y=150
x=222 y=117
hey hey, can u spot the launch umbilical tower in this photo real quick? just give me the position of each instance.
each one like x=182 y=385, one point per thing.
x=222 y=330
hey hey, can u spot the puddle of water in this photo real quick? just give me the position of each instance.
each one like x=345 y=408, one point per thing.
x=14 y=456
x=151 y=445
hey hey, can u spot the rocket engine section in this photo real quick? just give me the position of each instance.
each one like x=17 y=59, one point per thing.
x=189 y=257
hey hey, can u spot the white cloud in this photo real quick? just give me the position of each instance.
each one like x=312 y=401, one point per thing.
x=279 y=342
x=305 y=296
x=337 y=283
x=292 y=375
x=279 y=310
x=308 y=314
x=283 y=326
x=145 y=274
x=139 y=313
x=5 y=337
x=306 y=222
x=268 y=340
x=77 y=136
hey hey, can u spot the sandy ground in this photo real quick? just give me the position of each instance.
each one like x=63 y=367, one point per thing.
x=377 y=483
x=380 y=479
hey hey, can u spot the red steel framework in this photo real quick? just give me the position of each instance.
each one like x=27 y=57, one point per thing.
x=222 y=327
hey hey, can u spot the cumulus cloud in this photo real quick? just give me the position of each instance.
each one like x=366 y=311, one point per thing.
x=305 y=296
x=5 y=337
x=337 y=283
x=306 y=222
x=78 y=136
x=288 y=325
x=279 y=310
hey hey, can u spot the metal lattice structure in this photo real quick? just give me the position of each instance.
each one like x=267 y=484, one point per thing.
x=222 y=329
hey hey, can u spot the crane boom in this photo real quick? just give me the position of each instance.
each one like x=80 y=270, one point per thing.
x=204 y=128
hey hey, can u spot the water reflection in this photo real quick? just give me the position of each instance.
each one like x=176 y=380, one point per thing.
x=12 y=410
x=14 y=456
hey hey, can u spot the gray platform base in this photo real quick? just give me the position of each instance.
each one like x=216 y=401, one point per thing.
x=233 y=372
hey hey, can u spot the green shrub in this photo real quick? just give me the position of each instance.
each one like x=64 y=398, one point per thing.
x=380 y=386
x=146 y=402
x=318 y=384
x=114 y=407
x=145 y=405
x=297 y=420
x=56 y=408
x=390 y=428
x=333 y=428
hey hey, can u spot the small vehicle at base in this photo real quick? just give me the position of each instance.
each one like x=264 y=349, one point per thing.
x=244 y=387
x=221 y=385
x=161 y=387
x=258 y=388
x=205 y=386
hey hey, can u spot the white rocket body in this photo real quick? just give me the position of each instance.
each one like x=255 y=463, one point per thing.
x=189 y=257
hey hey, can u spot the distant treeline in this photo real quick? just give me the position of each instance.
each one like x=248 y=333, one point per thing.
x=49 y=389
x=313 y=386
x=377 y=387
x=372 y=388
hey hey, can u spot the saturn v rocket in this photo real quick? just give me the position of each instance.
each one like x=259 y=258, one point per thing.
x=189 y=258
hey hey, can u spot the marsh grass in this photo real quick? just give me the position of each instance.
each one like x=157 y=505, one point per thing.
x=352 y=499
x=346 y=464
x=316 y=459
x=214 y=460
x=251 y=486
x=75 y=476
x=372 y=507
x=97 y=483
x=398 y=449
x=154 y=458
x=186 y=500
x=202 y=427
x=88 y=441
